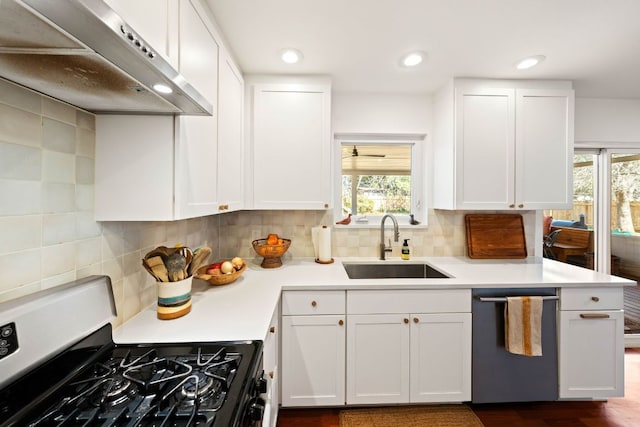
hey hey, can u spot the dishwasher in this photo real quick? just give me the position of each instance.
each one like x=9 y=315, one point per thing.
x=500 y=376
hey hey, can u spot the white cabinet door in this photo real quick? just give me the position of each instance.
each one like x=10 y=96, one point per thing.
x=544 y=149
x=505 y=147
x=591 y=354
x=196 y=176
x=198 y=53
x=230 y=144
x=291 y=145
x=156 y=21
x=377 y=358
x=440 y=357
x=313 y=360
x=485 y=147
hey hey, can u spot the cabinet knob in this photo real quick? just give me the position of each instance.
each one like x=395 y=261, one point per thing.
x=512 y=205
x=521 y=205
x=313 y=303
x=340 y=322
x=595 y=299
x=416 y=320
x=221 y=207
x=270 y=374
x=406 y=320
x=272 y=329
x=326 y=205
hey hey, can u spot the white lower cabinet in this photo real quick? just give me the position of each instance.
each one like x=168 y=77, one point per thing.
x=396 y=356
x=591 y=342
x=313 y=348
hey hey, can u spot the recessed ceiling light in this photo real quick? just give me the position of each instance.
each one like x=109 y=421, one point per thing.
x=529 y=62
x=291 y=56
x=412 y=59
x=159 y=87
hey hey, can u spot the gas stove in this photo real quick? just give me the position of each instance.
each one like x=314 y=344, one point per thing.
x=96 y=382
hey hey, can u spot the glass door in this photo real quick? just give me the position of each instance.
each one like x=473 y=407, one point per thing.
x=623 y=249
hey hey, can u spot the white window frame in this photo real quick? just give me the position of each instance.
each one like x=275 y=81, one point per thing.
x=418 y=183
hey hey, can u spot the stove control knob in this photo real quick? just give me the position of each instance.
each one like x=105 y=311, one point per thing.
x=256 y=411
x=261 y=385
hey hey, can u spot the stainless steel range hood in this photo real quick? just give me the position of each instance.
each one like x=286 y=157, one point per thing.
x=83 y=53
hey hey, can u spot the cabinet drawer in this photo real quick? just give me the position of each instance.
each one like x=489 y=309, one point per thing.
x=313 y=302
x=418 y=301
x=591 y=299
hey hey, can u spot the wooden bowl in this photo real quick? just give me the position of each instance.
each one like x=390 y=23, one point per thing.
x=221 y=279
x=270 y=253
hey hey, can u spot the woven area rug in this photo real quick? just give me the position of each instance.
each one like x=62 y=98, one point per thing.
x=411 y=416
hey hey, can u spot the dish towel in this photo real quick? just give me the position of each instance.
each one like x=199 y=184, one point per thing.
x=523 y=325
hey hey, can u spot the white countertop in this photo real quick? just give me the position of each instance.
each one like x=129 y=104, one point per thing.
x=243 y=310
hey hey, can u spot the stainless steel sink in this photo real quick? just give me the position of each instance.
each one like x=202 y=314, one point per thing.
x=392 y=271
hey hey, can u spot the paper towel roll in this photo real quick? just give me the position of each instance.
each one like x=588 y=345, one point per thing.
x=324 y=244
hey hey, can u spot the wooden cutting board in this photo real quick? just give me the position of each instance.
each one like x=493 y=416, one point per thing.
x=495 y=236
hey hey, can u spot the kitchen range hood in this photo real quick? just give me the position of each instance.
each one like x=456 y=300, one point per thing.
x=83 y=53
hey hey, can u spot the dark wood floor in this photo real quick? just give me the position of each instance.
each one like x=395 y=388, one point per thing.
x=616 y=412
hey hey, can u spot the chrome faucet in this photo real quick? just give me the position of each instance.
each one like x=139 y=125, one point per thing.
x=396 y=235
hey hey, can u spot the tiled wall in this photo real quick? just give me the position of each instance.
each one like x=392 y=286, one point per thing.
x=48 y=235
x=444 y=236
x=47 y=232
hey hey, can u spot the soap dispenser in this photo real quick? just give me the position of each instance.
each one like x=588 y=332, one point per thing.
x=406 y=251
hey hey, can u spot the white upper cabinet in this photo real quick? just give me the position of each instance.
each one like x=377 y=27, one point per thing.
x=159 y=168
x=156 y=21
x=291 y=146
x=502 y=145
x=230 y=143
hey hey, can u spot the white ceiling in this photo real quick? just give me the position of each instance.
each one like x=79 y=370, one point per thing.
x=595 y=43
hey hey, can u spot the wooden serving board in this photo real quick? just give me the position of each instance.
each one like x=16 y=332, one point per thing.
x=495 y=236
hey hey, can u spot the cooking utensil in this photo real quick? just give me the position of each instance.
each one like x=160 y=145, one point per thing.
x=176 y=264
x=200 y=257
x=155 y=266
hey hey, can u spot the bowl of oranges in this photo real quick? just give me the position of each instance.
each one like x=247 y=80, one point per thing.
x=271 y=249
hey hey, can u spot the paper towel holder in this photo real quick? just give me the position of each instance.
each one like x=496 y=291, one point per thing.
x=325 y=262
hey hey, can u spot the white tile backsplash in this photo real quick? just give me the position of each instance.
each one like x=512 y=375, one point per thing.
x=20 y=268
x=58 y=136
x=85 y=142
x=59 y=110
x=86 y=226
x=58 y=197
x=58 y=259
x=58 y=228
x=85 y=197
x=20 y=197
x=84 y=170
x=20 y=127
x=20 y=233
x=18 y=97
x=58 y=167
x=20 y=162
x=88 y=252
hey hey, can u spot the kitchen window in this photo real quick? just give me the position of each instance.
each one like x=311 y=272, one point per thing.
x=379 y=174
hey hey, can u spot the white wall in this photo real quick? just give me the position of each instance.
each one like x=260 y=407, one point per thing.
x=607 y=120
x=381 y=113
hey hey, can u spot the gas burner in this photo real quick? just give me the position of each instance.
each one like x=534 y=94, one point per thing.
x=116 y=391
x=198 y=386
